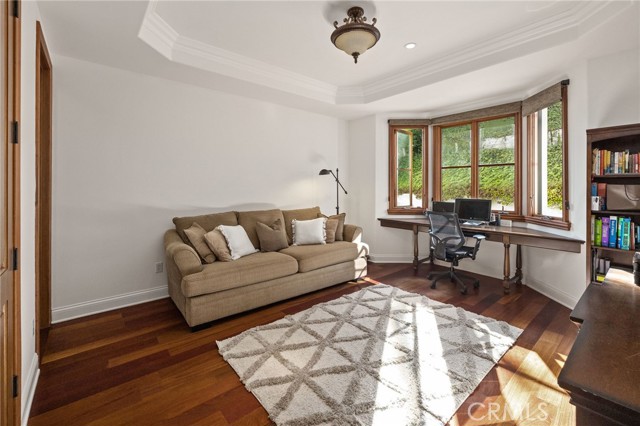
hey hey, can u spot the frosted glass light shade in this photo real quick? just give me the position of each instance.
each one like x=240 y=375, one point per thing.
x=357 y=41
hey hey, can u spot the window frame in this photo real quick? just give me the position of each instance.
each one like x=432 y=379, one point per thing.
x=531 y=216
x=516 y=214
x=393 y=208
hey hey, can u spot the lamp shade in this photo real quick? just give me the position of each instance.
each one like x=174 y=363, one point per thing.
x=355 y=41
x=356 y=36
x=324 y=172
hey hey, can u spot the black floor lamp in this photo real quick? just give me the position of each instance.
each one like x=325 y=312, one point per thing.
x=326 y=172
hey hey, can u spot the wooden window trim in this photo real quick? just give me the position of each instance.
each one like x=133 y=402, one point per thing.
x=475 y=158
x=393 y=209
x=531 y=216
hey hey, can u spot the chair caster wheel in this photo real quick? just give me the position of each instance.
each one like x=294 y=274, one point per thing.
x=476 y=284
x=463 y=291
x=433 y=285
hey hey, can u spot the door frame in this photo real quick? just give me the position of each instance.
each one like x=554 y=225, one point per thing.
x=44 y=116
x=11 y=102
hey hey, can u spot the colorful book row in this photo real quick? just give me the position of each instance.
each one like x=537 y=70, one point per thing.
x=606 y=162
x=615 y=232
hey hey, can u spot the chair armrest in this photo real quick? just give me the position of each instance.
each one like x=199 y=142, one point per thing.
x=183 y=256
x=478 y=238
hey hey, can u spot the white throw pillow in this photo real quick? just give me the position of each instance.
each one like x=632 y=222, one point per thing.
x=238 y=240
x=308 y=231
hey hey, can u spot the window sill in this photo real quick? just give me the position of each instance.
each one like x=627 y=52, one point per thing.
x=401 y=211
x=548 y=222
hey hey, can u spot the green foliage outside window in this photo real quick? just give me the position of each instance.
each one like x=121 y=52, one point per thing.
x=416 y=176
x=554 y=156
x=496 y=182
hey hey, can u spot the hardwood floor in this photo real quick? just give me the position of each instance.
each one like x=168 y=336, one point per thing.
x=142 y=365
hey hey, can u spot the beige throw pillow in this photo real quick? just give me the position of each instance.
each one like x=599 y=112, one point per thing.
x=217 y=243
x=331 y=225
x=195 y=233
x=340 y=231
x=272 y=237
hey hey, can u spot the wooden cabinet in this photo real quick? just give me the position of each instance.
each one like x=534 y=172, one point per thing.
x=618 y=139
x=601 y=372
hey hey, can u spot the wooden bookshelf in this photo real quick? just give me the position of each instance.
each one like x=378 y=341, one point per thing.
x=614 y=139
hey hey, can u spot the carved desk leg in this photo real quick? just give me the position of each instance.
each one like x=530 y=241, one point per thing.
x=507 y=267
x=518 y=276
x=415 y=247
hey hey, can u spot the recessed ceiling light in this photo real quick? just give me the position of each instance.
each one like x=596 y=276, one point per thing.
x=410 y=45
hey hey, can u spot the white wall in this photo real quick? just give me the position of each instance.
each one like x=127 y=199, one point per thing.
x=30 y=14
x=133 y=151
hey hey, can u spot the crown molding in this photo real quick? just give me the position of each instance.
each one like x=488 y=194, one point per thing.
x=570 y=22
x=557 y=29
x=156 y=32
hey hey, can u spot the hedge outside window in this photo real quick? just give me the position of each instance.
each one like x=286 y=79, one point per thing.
x=407 y=169
x=548 y=164
x=479 y=159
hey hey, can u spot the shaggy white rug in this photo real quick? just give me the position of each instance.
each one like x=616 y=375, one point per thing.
x=380 y=356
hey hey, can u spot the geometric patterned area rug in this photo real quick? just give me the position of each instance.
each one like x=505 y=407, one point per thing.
x=380 y=356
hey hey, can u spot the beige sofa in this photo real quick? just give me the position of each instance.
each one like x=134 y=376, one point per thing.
x=205 y=292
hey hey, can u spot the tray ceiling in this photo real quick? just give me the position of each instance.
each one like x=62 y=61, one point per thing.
x=280 y=51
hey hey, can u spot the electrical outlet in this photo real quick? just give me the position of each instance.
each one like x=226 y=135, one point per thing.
x=159 y=267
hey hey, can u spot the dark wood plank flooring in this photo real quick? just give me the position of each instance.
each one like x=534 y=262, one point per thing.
x=142 y=365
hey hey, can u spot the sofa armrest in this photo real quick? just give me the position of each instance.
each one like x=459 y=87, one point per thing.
x=352 y=233
x=184 y=256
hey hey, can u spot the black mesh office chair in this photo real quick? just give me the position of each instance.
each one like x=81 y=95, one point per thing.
x=447 y=243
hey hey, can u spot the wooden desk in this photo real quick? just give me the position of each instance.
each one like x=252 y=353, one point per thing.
x=602 y=371
x=506 y=235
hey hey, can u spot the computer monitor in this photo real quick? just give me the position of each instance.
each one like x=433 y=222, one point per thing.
x=473 y=209
x=443 y=207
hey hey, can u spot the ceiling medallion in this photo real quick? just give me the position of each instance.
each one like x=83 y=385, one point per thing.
x=356 y=36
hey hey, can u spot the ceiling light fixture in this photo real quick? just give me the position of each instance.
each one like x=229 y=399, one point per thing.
x=410 y=45
x=356 y=36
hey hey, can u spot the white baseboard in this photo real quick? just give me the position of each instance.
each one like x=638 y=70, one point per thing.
x=65 y=313
x=553 y=293
x=29 y=390
x=393 y=258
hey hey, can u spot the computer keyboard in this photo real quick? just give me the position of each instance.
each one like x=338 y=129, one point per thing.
x=471 y=223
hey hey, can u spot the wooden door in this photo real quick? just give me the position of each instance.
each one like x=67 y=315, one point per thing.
x=9 y=215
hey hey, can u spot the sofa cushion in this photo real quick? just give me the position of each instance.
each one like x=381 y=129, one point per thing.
x=218 y=244
x=249 y=219
x=255 y=268
x=207 y=221
x=299 y=214
x=340 y=218
x=195 y=233
x=272 y=237
x=318 y=256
